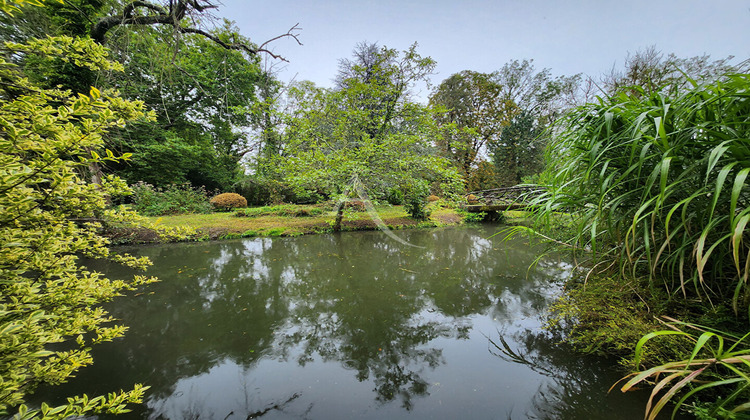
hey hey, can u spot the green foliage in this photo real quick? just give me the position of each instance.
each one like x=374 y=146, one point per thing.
x=261 y=190
x=474 y=217
x=415 y=200
x=520 y=151
x=164 y=157
x=501 y=113
x=275 y=231
x=367 y=130
x=655 y=181
x=204 y=96
x=718 y=361
x=50 y=218
x=658 y=183
x=540 y=99
x=288 y=210
x=473 y=113
x=395 y=197
x=228 y=201
x=113 y=403
x=12 y=6
x=484 y=176
x=174 y=199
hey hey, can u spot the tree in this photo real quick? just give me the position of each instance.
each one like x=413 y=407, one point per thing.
x=171 y=57
x=182 y=16
x=378 y=81
x=472 y=113
x=650 y=71
x=364 y=129
x=520 y=150
x=540 y=100
x=50 y=217
x=203 y=97
x=478 y=107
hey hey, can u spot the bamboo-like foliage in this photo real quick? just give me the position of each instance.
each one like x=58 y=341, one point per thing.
x=657 y=183
x=718 y=360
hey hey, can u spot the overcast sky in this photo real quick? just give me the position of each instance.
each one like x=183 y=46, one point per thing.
x=568 y=37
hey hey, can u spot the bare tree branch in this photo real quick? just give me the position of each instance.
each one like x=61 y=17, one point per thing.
x=154 y=14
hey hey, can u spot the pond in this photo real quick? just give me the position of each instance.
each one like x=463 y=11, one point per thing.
x=352 y=325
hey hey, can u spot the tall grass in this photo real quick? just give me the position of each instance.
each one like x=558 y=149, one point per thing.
x=718 y=361
x=658 y=185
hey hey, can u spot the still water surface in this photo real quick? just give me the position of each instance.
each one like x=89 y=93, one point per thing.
x=346 y=326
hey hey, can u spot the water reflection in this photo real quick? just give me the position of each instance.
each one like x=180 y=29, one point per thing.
x=334 y=326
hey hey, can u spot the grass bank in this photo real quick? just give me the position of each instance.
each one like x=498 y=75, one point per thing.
x=283 y=220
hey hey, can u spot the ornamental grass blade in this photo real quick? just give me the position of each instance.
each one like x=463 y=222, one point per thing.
x=739 y=182
x=700 y=388
x=671 y=393
x=741 y=407
x=737 y=234
x=649 y=336
x=702 y=340
x=713 y=159
x=720 y=179
x=651 y=413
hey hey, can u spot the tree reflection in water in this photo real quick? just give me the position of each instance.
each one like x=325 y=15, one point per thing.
x=576 y=388
x=243 y=326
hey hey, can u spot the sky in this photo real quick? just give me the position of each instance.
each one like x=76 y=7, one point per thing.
x=568 y=37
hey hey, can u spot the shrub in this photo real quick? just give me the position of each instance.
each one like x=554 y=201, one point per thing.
x=264 y=191
x=355 y=205
x=174 y=199
x=433 y=198
x=261 y=191
x=475 y=217
x=415 y=200
x=395 y=197
x=50 y=313
x=228 y=201
x=288 y=210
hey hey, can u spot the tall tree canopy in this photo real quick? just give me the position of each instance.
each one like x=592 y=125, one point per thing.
x=472 y=112
x=365 y=127
x=649 y=71
x=540 y=100
x=200 y=77
x=203 y=97
x=478 y=108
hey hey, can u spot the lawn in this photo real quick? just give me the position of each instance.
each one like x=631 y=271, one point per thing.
x=290 y=220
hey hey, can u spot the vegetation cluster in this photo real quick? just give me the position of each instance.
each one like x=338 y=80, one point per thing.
x=657 y=174
x=172 y=199
x=228 y=201
x=107 y=107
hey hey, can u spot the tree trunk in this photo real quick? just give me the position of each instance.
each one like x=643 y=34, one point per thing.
x=339 y=216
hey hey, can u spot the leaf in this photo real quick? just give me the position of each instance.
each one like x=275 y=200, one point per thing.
x=739 y=183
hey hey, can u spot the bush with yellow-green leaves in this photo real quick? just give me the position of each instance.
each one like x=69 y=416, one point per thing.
x=49 y=215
